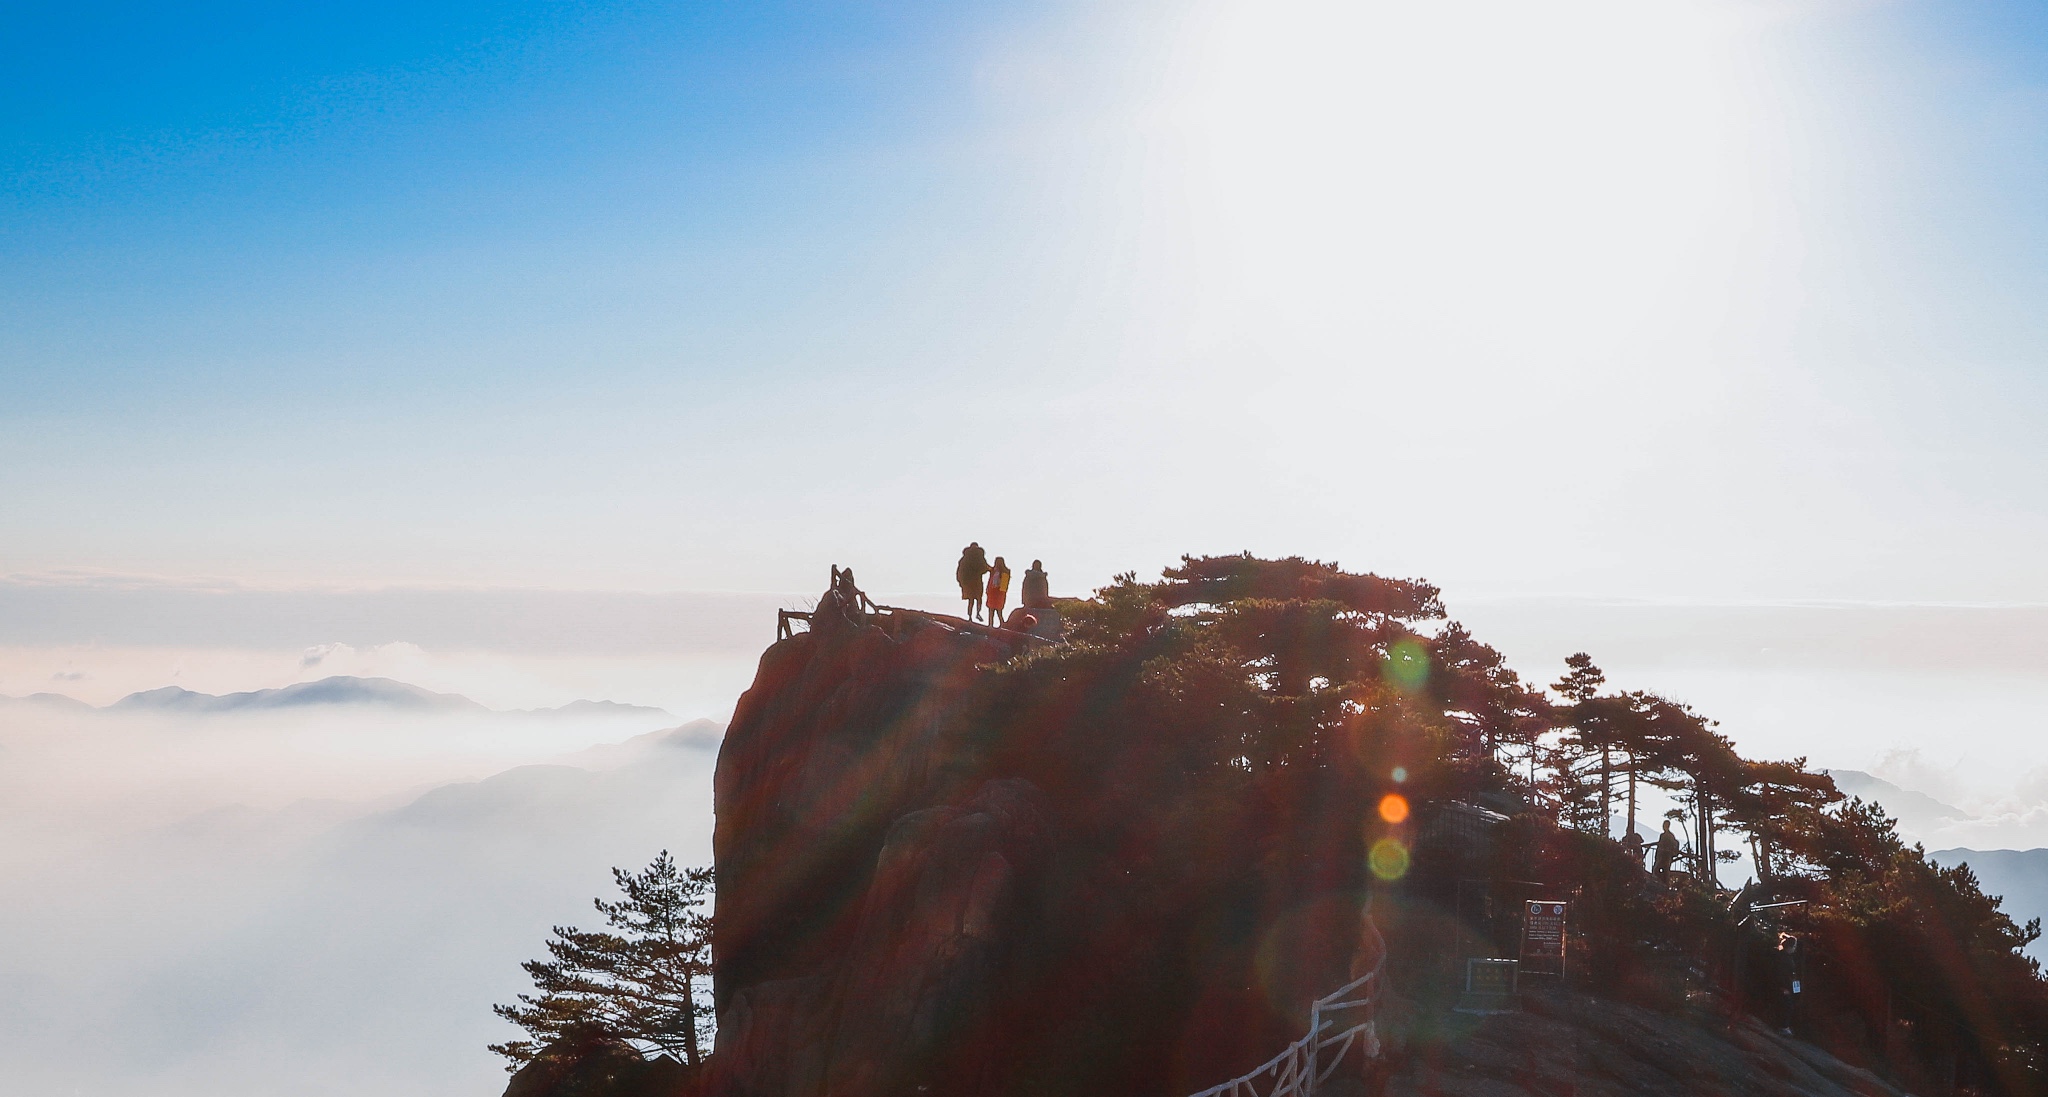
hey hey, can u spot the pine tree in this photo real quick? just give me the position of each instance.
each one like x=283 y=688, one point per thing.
x=645 y=981
x=1585 y=757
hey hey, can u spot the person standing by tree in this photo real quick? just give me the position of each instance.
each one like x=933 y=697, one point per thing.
x=973 y=565
x=1632 y=847
x=998 y=590
x=1667 y=852
x=644 y=983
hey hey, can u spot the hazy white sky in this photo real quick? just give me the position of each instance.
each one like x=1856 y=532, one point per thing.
x=1692 y=300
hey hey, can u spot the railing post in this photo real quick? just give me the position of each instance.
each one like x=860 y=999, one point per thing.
x=1297 y=1070
x=1315 y=1040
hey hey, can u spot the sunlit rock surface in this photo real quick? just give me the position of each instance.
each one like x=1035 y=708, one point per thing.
x=1566 y=1043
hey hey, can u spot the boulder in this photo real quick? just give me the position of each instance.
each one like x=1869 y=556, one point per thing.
x=919 y=980
x=601 y=1068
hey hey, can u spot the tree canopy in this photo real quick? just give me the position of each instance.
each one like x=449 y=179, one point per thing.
x=1282 y=700
x=645 y=980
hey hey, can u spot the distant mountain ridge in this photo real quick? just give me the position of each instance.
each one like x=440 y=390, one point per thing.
x=2019 y=876
x=338 y=690
x=1913 y=810
x=48 y=700
x=593 y=708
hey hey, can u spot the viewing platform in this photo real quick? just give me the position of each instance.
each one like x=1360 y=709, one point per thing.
x=1022 y=626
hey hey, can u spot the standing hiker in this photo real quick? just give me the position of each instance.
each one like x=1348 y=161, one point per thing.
x=855 y=598
x=1667 y=853
x=973 y=565
x=1037 y=592
x=1632 y=848
x=998 y=590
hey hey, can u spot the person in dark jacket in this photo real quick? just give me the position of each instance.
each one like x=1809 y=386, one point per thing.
x=973 y=565
x=1037 y=590
x=1632 y=848
x=1667 y=851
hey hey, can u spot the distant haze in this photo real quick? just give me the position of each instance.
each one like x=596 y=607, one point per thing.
x=1964 y=689
x=339 y=878
x=340 y=945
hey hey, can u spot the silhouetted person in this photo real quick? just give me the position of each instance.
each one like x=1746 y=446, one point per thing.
x=1037 y=590
x=838 y=605
x=998 y=590
x=1667 y=851
x=1632 y=846
x=973 y=565
x=1791 y=977
x=854 y=597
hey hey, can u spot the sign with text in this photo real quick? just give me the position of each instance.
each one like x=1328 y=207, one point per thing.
x=1489 y=988
x=1489 y=977
x=1543 y=938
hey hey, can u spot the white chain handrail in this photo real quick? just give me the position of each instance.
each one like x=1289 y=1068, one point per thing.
x=1333 y=1031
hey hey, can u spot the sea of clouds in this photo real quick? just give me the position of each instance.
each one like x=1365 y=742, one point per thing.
x=313 y=899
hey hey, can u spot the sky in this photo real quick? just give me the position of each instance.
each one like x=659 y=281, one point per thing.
x=1707 y=301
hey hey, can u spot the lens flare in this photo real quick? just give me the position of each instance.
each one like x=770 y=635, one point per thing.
x=1394 y=807
x=1407 y=666
x=1389 y=859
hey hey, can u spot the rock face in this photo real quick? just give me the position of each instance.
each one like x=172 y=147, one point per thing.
x=604 y=1068
x=906 y=998
x=835 y=742
x=1593 y=1047
x=946 y=872
x=863 y=902
x=909 y=902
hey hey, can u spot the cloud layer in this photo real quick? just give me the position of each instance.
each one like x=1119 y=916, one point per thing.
x=256 y=904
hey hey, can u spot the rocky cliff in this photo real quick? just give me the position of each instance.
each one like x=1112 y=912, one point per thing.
x=1585 y=1046
x=918 y=893
x=956 y=861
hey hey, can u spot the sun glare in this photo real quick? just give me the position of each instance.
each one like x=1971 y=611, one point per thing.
x=1469 y=192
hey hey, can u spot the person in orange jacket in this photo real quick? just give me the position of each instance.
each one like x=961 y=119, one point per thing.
x=998 y=590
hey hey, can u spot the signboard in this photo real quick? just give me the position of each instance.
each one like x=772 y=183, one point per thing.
x=1489 y=988
x=1490 y=977
x=1543 y=938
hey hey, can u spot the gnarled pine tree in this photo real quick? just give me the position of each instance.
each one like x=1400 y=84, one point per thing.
x=646 y=982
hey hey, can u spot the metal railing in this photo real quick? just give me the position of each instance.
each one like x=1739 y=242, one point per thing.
x=787 y=619
x=1338 y=1023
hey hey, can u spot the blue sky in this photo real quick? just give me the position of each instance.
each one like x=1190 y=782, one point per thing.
x=195 y=193
x=1690 y=301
